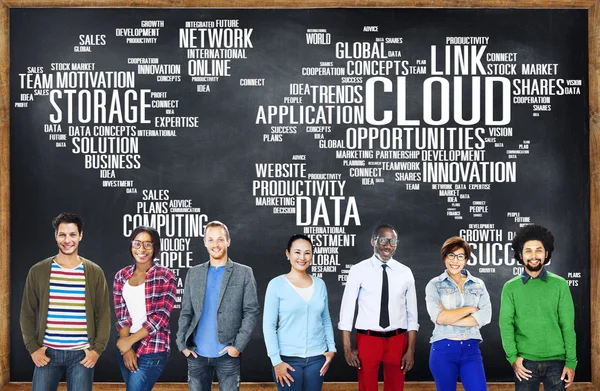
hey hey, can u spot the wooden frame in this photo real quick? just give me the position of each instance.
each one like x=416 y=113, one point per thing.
x=593 y=7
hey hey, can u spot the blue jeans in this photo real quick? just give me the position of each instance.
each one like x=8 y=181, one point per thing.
x=150 y=366
x=448 y=359
x=79 y=378
x=547 y=372
x=201 y=372
x=306 y=373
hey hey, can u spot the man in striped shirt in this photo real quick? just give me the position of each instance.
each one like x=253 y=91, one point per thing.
x=65 y=313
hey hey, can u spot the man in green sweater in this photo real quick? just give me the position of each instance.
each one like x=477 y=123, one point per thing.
x=65 y=312
x=537 y=317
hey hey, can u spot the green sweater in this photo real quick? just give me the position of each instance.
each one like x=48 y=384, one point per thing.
x=537 y=320
x=36 y=298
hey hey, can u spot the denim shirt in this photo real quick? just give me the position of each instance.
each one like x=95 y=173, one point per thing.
x=443 y=289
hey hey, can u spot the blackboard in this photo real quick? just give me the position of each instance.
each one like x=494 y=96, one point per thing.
x=209 y=152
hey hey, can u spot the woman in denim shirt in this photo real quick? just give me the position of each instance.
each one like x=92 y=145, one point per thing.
x=459 y=305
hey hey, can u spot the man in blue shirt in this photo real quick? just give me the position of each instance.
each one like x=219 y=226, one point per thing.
x=219 y=310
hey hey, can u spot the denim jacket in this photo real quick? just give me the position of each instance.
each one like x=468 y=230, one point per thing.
x=442 y=289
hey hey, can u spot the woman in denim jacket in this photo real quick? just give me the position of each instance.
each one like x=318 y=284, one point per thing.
x=459 y=305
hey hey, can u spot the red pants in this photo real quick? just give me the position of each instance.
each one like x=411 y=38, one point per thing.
x=372 y=351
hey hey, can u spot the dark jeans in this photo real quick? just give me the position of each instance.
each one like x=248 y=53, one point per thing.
x=79 y=378
x=306 y=373
x=547 y=372
x=150 y=366
x=448 y=359
x=201 y=372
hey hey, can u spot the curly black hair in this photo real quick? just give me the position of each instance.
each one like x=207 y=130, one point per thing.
x=153 y=234
x=533 y=232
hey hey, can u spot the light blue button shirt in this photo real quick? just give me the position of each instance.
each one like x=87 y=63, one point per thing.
x=205 y=336
x=442 y=289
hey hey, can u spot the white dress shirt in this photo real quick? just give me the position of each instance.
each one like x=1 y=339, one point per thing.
x=364 y=283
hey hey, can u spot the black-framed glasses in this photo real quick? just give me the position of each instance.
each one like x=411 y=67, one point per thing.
x=460 y=257
x=384 y=241
x=137 y=244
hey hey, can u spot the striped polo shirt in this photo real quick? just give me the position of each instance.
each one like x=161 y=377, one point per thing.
x=67 y=327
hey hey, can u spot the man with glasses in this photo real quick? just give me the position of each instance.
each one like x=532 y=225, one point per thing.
x=219 y=310
x=65 y=312
x=386 y=325
x=537 y=317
